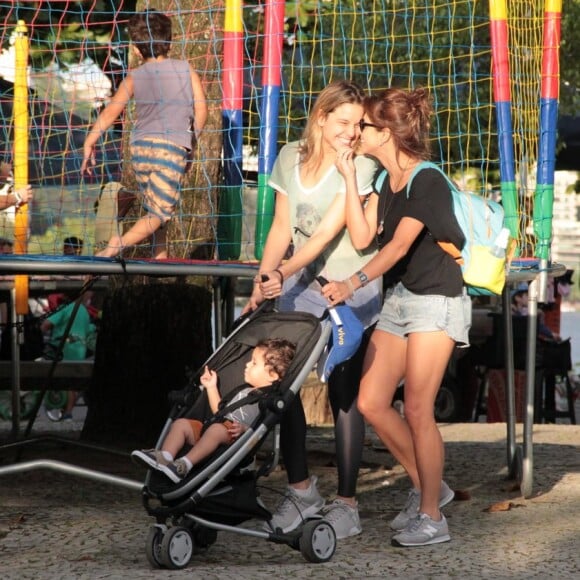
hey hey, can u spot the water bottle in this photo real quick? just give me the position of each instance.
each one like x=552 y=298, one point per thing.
x=501 y=243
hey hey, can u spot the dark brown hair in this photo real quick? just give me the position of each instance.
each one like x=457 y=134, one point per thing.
x=407 y=116
x=278 y=354
x=150 y=32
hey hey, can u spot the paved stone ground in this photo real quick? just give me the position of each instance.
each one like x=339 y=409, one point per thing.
x=54 y=525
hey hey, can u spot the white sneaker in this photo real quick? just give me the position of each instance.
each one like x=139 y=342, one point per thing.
x=343 y=518
x=423 y=531
x=294 y=508
x=411 y=508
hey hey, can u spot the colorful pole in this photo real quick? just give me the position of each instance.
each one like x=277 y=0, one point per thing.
x=229 y=232
x=271 y=81
x=544 y=195
x=502 y=99
x=20 y=158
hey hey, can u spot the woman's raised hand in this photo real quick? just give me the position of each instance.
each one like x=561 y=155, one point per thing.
x=345 y=161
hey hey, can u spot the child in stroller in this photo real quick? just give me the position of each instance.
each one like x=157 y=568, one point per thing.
x=220 y=492
x=269 y=363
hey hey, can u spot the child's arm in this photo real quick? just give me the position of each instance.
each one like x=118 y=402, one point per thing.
x=17 y=198
x=199 y=103
x=107 y=117
x=209 y=381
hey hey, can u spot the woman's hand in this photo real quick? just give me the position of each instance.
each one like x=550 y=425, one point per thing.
x=337 y=292
x=255 y=300
x=345 y=162
x=270 y=284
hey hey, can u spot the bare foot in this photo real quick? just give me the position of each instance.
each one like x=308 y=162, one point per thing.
x=112 y=249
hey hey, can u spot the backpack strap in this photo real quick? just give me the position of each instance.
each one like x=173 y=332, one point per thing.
x=429 y=165
x=226 y=407
x=448 y=247
x=380 y=180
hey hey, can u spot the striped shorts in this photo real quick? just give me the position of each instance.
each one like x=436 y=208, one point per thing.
x=159 y=166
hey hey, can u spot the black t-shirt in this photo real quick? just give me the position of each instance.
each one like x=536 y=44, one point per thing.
x=427 y=268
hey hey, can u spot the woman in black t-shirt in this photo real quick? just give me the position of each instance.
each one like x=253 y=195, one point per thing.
x=426 y=310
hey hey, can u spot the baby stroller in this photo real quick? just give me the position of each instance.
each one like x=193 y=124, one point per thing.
x=220 y=493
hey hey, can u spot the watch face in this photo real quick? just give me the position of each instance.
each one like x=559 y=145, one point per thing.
x=362 y=277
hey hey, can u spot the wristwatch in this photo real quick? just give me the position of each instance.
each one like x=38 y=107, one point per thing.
x=364 y=279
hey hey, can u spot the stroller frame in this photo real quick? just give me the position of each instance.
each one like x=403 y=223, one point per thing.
x=173 y=545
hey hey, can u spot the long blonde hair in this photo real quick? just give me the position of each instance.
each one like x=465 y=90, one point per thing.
x=330 y=98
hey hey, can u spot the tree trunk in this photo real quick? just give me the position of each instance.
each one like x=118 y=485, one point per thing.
x=151 y=334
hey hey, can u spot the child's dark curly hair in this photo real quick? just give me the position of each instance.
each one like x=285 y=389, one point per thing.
x=278 y=354
x=150 y=32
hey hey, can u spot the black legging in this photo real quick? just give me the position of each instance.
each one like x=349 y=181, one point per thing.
x=349 y=426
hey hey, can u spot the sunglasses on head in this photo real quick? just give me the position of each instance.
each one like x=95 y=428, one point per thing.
x=362 y=124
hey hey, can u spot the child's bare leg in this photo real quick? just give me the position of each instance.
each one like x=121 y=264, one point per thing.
x=214 y=436
x=159 y=243
x=142 y=229
x=180 y=433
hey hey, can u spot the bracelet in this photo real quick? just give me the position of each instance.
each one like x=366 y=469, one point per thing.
x=18 y=198
x=281 y=276
x=349 y=285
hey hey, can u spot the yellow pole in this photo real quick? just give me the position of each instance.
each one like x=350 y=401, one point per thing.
x=20 y=157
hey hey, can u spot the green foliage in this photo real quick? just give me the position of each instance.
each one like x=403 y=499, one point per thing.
x=68 y=32
x=570 y=59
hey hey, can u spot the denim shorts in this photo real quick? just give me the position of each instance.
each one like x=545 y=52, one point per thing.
x=404 y=312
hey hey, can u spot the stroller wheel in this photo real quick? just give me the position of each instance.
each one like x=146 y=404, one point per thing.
x=318 y=541
x=176 y=548
x=153 y=547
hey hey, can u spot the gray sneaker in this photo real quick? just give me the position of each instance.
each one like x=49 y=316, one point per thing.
x=343 y=518
x=175 y=471
x=293 y=508
x=411 y=508
x=149 y=457
x=422 y=531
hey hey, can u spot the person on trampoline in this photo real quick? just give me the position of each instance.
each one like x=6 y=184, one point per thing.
x=310 y=217
x=269 y=363
x=170 y=107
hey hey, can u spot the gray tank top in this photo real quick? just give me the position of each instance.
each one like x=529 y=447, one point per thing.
x=163 y=101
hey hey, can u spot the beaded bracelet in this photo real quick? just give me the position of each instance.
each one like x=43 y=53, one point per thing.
x=18 y=198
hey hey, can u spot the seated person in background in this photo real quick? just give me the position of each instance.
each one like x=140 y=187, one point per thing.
x=80 y=334
x=269 y=363
x=72 y=246
x=520 y=308
x=6 y=246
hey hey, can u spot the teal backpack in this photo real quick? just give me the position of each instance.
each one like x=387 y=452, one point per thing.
x=481 y=221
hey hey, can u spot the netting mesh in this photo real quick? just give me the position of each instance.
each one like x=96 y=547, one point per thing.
x=79 y=53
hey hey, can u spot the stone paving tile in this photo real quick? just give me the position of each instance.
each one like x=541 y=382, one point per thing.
x=57 y=526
